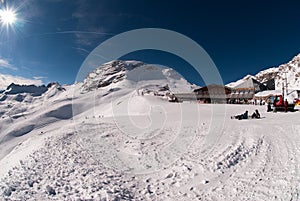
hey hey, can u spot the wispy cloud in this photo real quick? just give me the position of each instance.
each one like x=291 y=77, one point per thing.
x=88 y=38
x=4 y=63
x=6 y=80
x=92 y=23
x=40 y=77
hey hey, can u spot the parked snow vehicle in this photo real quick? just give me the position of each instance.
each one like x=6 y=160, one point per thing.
x=280 y=106
x=297 y=101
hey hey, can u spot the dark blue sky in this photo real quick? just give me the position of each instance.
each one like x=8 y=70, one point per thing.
x=52 y=38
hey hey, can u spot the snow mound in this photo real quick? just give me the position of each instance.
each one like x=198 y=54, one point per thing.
x=21 y=131
x=62 y=112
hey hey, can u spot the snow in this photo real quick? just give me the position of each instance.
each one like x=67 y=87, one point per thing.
x=236 y=83
x=113 y=143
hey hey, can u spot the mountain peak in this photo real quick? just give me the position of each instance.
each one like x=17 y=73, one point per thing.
x=133 y=74
x=108 y=73
x=30 y=89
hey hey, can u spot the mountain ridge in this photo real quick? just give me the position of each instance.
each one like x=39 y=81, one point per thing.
x=134 y=74
x=289 y=71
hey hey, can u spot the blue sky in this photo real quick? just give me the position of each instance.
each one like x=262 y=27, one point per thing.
x=51 y=38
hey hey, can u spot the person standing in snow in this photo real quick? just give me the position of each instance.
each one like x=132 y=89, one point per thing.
x=274 y=106
x=285 y=105
x=269 y=109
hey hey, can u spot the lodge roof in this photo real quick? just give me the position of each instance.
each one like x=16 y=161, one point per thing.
x=212 y=86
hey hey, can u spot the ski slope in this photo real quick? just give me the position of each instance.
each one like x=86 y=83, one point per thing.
x=113 y=143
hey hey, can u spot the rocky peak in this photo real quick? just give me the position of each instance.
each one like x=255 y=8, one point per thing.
x=108 y=73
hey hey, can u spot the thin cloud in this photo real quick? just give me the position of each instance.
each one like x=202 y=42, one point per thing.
x=4 y=63
x=90 y=29
x=6 y=80
x=90 y=37
x=39 y=77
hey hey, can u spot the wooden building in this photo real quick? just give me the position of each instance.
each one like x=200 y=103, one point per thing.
x=246 y=90
x=208 y=94
x=213 y=93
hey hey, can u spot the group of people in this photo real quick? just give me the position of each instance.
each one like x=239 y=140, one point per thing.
x=245 y=115
x=277 y=104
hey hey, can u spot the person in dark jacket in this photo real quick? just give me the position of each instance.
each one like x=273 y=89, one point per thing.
x=245 y=115
x=269 y=109
x=255 y=115
x=274 y=106
x=242 y=116
x=285 y=105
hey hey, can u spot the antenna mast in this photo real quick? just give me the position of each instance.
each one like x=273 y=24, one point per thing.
x=286 y=84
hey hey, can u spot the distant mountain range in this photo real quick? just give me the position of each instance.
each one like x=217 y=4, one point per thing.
x=289 y=71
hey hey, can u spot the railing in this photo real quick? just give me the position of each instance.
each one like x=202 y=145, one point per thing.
x=192 y=96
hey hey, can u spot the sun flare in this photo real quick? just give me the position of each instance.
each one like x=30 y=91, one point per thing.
x=8 y=16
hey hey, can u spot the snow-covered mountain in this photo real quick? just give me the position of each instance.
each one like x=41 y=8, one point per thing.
x=289 y=71
x=135 y=75
x=24 y=110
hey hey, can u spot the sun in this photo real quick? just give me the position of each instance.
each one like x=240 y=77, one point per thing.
x=8 y=16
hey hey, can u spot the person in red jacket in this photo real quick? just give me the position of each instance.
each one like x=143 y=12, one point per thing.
x=285 y=105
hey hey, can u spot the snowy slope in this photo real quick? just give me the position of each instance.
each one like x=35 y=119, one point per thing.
x=113 y=142
x=26 y=112
x=236 y=83
x=135 y=75
x=291 y=71
x=249 y=160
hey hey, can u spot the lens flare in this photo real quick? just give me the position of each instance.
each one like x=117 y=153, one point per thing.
x=7 y=16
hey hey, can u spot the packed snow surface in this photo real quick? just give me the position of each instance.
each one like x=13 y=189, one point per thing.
x=113 y=142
